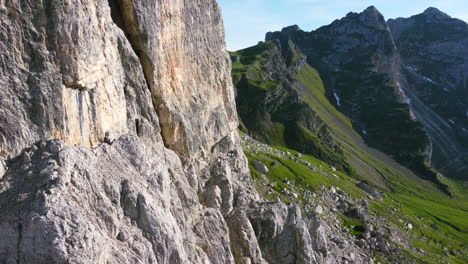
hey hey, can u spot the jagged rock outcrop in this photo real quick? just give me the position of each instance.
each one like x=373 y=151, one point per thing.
x=118 y=139
x=366 y=66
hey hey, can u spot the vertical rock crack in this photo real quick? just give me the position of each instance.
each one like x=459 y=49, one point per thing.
x=124 y=16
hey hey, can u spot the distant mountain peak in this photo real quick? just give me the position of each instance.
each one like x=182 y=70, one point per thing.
x=371 y=16
x=371 y=9
x=434 y=12
x=292 y=28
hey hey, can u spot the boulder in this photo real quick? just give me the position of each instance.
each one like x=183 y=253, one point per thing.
x=286 y=236
x=319 y=209
x=260 y=167
x=55 y=146
x=367 y=188
x=357 y=212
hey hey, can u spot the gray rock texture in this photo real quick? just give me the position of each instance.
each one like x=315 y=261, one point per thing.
x=260 y=167
x=151 y=74
x=367 y=188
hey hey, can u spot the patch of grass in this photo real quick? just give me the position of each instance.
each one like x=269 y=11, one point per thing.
x=301 y=175
x=295 y=58
x=247 y=73
x=356 y=226
x=302 y=139
x=437 y=223
x=313 y=91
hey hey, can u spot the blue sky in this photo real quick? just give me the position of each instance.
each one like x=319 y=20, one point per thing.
x=247 y=21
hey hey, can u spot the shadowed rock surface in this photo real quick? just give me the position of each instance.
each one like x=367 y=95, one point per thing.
x=402 y=83
x=434 y=57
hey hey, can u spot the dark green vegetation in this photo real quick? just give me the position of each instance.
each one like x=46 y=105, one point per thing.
x=356 y=226
x=273 y=110
x=283 y=102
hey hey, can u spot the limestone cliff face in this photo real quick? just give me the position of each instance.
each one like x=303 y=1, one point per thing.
x=77 y=70
x=118 y=140
x=63 y=75
x=181 y=47
x=151 y=74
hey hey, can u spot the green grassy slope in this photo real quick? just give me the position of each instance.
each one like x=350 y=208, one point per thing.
x=264 y=108
x=247 y=67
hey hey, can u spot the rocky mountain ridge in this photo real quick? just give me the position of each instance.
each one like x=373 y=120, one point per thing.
x=365 y=63
x=280 y=115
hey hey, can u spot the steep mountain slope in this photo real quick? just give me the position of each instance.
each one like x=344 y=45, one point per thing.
x=434 y=57
x=359 y=64
x=297 y=96
x=370 y=82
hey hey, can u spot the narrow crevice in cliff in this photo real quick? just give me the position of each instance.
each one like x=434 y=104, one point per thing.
x=124 y=16
x=116 y=14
